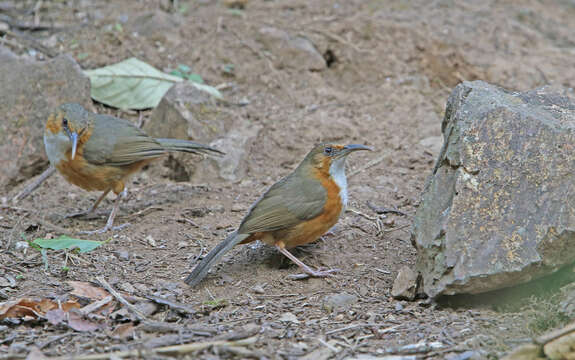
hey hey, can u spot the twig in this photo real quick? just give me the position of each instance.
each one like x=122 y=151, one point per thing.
x=163 y=327
x=54 y=339
x=355 y=326
x=329 y=346
x=357 y=212
x=32 y=186
x=179 y=307
x=120 y=298
x=145 y=211
x=176 y=349
x=95 y=305
x=395 y=229
x=276 y=296
x=369 y=164
x=383 y=210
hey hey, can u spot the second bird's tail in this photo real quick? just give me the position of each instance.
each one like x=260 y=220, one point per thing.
x=188 y=146
x=201 y=270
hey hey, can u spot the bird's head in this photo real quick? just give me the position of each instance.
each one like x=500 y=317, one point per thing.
x=325 y=157
x=67 y=127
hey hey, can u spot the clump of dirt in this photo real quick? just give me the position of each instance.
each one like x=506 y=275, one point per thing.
x=390 y=67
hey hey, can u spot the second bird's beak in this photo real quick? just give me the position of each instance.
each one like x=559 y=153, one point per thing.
x=74 y=138
x=348 y=149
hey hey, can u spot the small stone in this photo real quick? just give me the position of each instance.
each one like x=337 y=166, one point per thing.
x=141 y=288
x=398 y=307
x=22 y=246
x=258 y=289
x=123 y=255
x=4 y=282
x=127 y=287
x=338 y=301
x=150 y=240
x=289 y=317
x=238 y=208
x=405 y=284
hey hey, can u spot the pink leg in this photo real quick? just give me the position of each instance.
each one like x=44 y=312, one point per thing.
x=304 y=267
x=110 y=221
x=88 y=212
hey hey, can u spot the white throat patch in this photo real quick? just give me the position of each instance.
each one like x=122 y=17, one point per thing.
x=337 y=172
x=56 y=146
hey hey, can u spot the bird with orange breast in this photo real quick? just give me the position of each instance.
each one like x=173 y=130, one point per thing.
x=296 y=210
x=100 y=152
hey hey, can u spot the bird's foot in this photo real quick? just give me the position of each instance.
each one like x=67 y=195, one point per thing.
x=105 y=229
x=313 y=273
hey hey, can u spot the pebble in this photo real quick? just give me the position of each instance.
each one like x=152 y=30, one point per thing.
x=123 y=255
x=258 y=289
x=338 y=301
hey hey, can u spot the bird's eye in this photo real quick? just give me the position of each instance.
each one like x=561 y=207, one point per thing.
x=328 y=150
x=65 y=122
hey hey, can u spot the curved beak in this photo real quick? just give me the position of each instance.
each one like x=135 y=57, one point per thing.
x=348 y=149
x=74 y=138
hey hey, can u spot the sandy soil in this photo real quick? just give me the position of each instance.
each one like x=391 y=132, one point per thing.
x=394 y=64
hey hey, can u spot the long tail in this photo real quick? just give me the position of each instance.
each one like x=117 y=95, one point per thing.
x=201 y=270
x=188 y=146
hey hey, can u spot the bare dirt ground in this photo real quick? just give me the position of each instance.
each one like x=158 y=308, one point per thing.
x=393 y=64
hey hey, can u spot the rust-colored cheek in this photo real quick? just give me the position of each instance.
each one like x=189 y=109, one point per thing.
x=54 y=123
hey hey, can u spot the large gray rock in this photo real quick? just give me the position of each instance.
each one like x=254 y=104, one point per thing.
x=30 y=89
x=499 y=208
x=188 y=113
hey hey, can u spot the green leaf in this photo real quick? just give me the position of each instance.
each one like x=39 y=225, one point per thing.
x=178 y=73
x=184 y=68
x=209 y=89
x=66 y=242
x=195 y=78
x=130 y=84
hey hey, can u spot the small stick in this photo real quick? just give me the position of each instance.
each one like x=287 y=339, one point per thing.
x=95 y=305
x=175 y=349
x=386 y=330
x=120 y=298
x=357 y=212
x=329 y=346
x=383 y=210
x=32 y=186
x=179 y=307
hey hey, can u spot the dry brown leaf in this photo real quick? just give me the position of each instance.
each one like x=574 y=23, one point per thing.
x=33 y=308
x=123 y=331
x=78 y=323
x=56 y=316
x=86 y=290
